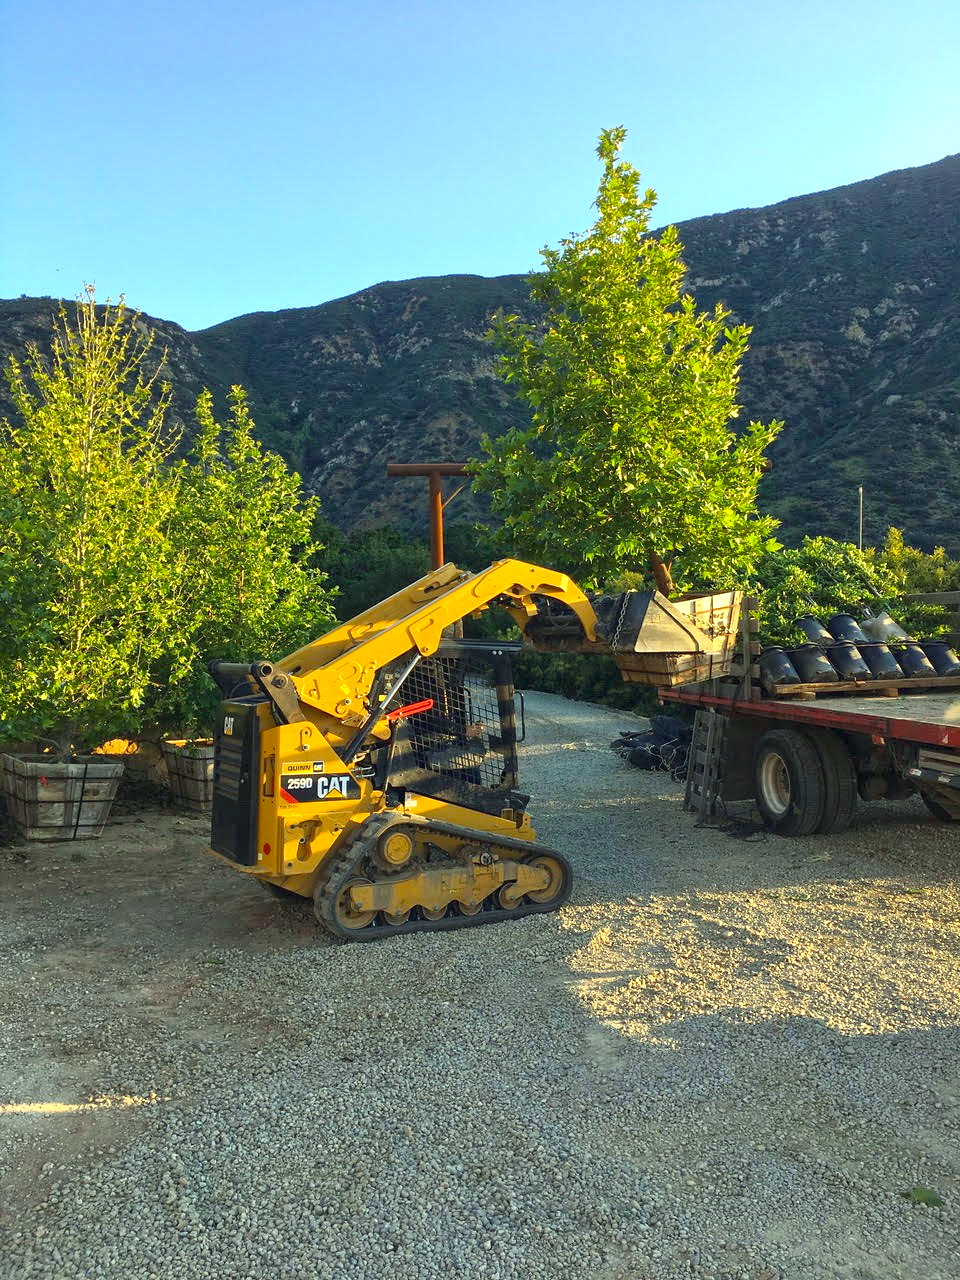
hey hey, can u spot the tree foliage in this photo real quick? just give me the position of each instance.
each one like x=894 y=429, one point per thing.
x=824 y=577
x=125 y=569
x=919 y=571
x=255 y=588
x=630 y=462
x=369 y=564
x=88 y=568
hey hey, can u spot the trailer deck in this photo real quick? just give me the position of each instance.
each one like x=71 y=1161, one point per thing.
x=928 y=717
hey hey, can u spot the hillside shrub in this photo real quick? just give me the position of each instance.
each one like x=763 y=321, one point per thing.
x=824 y=577
x=918 y=571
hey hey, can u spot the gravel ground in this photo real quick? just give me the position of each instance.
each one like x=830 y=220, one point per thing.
x=726 y=1057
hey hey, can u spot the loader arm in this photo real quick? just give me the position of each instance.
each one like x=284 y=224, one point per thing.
x=335 y=673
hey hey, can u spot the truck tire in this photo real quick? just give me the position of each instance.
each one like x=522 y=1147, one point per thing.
x=839 y=781
x=788 y=782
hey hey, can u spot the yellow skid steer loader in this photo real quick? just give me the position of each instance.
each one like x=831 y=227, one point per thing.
x=375 y=769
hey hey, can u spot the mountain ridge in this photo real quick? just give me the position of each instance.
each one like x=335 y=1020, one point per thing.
x=852 y=294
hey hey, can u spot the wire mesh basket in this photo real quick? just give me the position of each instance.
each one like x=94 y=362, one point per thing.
x=461 y=745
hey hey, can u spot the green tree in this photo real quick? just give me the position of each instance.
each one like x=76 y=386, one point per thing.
x=824 y=577
x=89 y=572
x=369 y=565
x=255 y=587
x=918 y=571
x=630 y=462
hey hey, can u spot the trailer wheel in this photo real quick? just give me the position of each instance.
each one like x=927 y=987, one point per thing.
x=939 y=811
x=788 y=782
x=839 y=782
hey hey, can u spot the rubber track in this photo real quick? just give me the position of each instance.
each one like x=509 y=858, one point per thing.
x=352 y=857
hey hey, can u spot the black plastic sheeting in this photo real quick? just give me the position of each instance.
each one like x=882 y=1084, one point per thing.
x=663 y=748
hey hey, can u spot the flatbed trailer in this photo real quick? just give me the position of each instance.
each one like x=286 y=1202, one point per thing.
x=806 y=763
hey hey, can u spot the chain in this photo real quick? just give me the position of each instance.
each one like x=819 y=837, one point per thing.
x=621 y=616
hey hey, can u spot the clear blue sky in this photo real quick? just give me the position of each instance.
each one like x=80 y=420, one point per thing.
x=213 y=158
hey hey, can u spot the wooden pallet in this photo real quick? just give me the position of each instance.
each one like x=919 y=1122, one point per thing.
x=703 y=763
x=883 y=688
x=741 y=678
x=668 y=669
x=743 y=682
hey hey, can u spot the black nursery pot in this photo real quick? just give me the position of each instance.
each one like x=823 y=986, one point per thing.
x=812 y=665
x=845 y=627
x=847 y=660
x=883 y=665
x=814 y=629
x=776 y=668
x=914 y=663
x=944 y=659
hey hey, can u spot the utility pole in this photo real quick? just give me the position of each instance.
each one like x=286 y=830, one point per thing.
x=435 y=472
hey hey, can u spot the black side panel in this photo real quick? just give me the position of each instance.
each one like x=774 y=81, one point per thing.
x=736 y=770
x=236 y=775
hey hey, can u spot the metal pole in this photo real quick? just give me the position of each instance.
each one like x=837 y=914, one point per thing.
x=435 y=471
x=436 y=521
x=860 y=540
x=506 y=703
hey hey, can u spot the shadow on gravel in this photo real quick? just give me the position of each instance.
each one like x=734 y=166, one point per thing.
x=652 y=1084
x=706 y=1144
x=796 y=1146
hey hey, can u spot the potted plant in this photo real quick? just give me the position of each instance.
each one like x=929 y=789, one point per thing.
x=184 y=712
x=89 y=574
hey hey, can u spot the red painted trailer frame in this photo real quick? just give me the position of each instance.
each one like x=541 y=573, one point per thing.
x=933 y=718
x=855 y=745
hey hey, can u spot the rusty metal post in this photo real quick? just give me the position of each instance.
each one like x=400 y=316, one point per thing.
x=436 y=521
x=434 y=471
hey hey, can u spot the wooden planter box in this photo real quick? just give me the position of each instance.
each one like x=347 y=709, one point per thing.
x=60 y=801
x=664 y=670
x=682 y=641
x=190 y=772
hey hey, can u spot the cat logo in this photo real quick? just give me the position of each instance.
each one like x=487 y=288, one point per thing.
x=299 y=788
x=306 y=766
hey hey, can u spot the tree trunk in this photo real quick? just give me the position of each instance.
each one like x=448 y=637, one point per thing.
x=661 y=574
